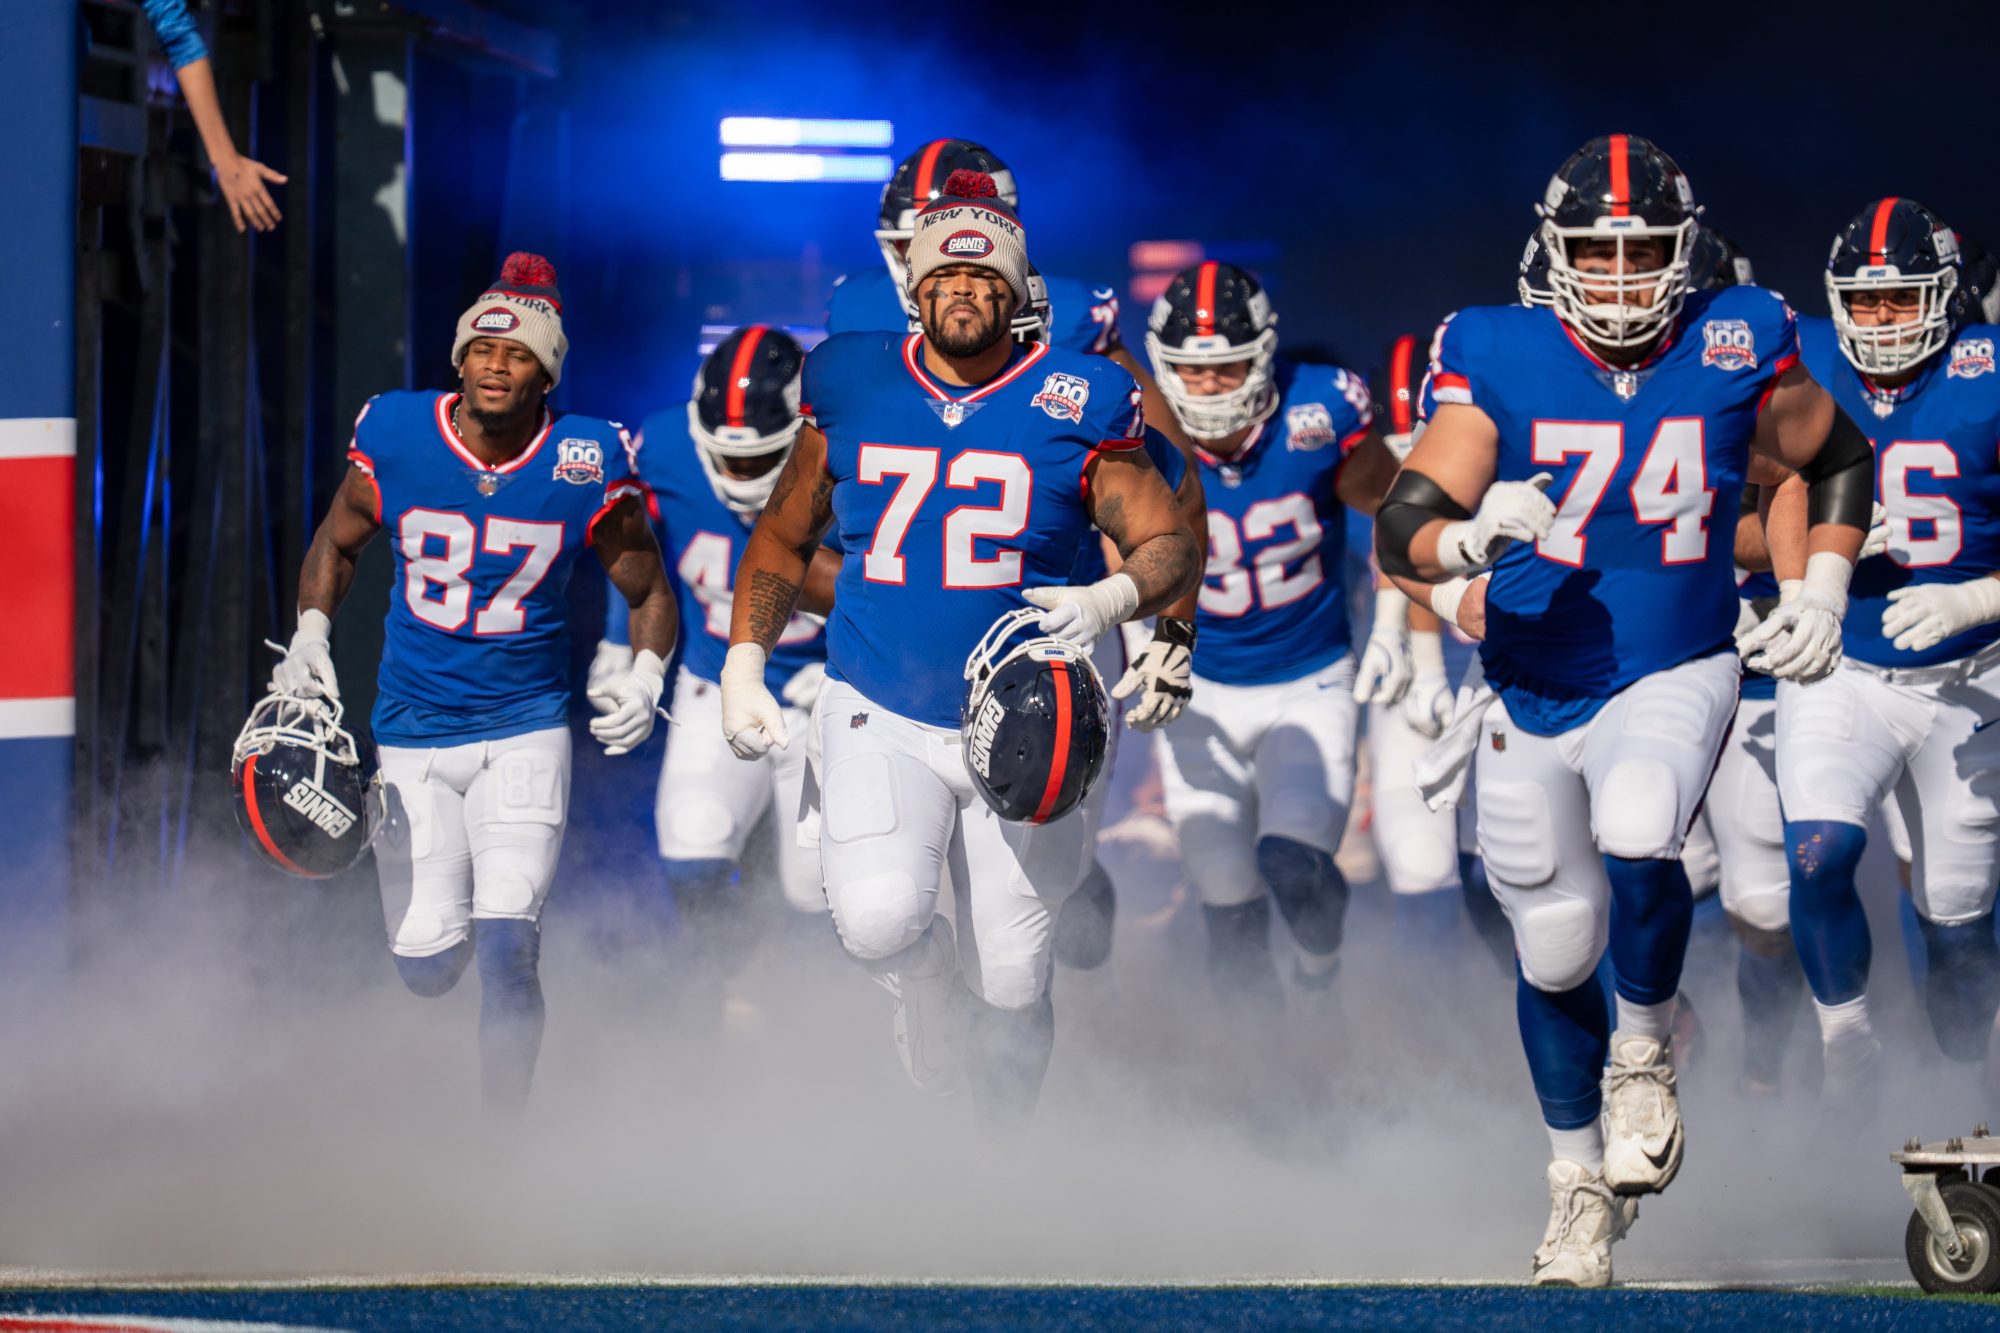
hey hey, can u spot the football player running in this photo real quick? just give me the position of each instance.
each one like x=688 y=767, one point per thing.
x=963 y=470
x=1078 y=316
x=1259 y=769
x=1910 y=712
x=709 y=466
x=1637 y=406
x=491 y=496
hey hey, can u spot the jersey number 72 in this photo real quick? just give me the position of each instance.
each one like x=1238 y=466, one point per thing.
x=914 y=473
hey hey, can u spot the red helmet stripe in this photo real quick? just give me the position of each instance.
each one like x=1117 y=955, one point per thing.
x=739 y=370
x=1204 y=298
x=1878 y=232
x=1402 y=395
x=1621 y=176
x=927 y=168
x=257 y=822
x=1059 y=766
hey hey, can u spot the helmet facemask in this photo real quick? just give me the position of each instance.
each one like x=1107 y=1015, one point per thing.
x=746 y=496
x=1216 y=416
x=1580 y=298
x=1890 y=349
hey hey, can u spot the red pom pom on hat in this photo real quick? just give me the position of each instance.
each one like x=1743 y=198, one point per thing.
x=967 y=184
x=526 y=270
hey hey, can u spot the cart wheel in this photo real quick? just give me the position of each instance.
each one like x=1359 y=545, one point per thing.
x=1975 y=1211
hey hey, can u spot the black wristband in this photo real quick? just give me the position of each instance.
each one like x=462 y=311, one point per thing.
x=1174 y=630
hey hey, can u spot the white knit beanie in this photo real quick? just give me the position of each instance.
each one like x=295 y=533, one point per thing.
x=968 y=224
x=523 y=305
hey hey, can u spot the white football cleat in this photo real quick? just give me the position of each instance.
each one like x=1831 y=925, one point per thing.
x=1642 y=1117
x=929 y=1024
x=1585 y=1217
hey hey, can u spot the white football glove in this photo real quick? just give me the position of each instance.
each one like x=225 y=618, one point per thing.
x=612 y=661
x=752 y=720
x=802 y=690
x=1877 y=540
x=1384 y=673
x=1926 y=614
x=629 y=704
x=1082 y=614
x=1800 y=639
x=1510 y=511
x=307 y=666
x=1162 y=675
x=1429 y=704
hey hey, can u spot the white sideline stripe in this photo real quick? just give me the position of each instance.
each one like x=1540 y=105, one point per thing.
x=23 y=719
x=37 y=437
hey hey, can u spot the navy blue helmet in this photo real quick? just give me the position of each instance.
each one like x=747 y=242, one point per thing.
x=1716 y=262
x=306 y=790
x=1895 y=245
x=1618 y=188
x=1036 y=723
x=918 y=179
x=746 y=407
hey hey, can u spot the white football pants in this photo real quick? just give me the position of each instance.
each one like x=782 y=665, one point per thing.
x=1627 y=783
x=709 y=801
x=1246 y=762
x=1418 y=845
x=1742 y=816
x=897 y=809
x=1847 y=741
x=474 y=831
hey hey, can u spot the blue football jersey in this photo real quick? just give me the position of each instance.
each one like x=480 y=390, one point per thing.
x=1083 y=317
x=477 y=639
x=1637 y=575
x=701 y=540
x=1935 y=472
x=949 y=501
x=1273 y=604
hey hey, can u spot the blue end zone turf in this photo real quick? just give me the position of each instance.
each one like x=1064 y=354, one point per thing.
x=579 y=1309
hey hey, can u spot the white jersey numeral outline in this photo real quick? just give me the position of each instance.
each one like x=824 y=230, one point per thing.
x=449 y=609
x=917 y=468
x=1670 y=487
x=1229 y=590
x=1905 y=508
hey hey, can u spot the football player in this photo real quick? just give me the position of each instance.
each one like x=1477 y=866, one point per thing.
x=1259 y=770
x=963 y=470
x=1911 y=708
x=1642 y=403
x=1079 y=316
x=490 y=497
x=709 y=466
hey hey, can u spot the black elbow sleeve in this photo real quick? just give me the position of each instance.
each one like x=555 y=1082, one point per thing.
x=1841 y=479
x=1413 y=500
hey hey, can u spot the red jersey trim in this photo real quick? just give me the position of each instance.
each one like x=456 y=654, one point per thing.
x=914 y=364
x=447 y=402
x=620 y=490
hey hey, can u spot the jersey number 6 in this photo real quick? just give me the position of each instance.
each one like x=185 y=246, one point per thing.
x=915 y=472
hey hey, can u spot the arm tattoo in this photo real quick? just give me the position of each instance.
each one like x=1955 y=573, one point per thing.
x=771 y=598
x=1163 y=567
x=1110 y=520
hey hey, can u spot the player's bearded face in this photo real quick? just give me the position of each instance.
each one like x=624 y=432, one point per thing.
x=1638 y=254
x=964 y=310
x=501 y=380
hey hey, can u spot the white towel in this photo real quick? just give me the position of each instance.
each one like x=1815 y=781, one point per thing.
x=1442 y=772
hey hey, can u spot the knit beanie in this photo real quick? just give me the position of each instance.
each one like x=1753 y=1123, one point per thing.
x=523 y=305
x=968 y=224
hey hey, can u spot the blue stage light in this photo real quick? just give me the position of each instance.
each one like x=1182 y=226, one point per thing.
x=806 y=167
x=785 y=132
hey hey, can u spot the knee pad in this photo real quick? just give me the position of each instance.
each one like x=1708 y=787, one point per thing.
x=434 y=974
x=1636 y=812
x=880 y=915
x=1761 y=912
x=1557 y=943
x=510 y=889
x=509 y=951
x=1310 y=892
x=1014 y=983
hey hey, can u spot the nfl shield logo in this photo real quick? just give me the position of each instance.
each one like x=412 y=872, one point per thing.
x=953 y=413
